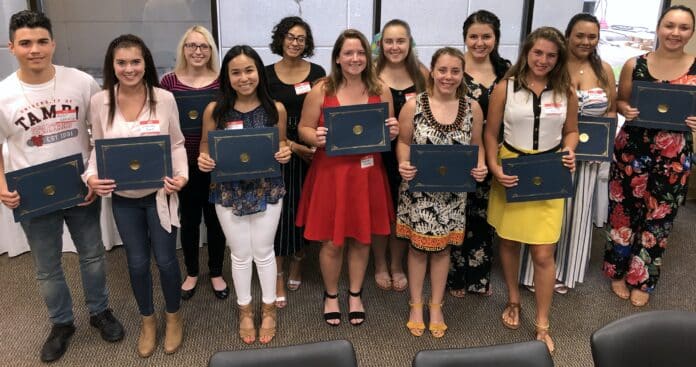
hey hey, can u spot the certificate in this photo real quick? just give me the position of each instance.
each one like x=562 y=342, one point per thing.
x=596 y=138
x=135 y=163
x=47 y=187
x=541 y=177
x=191 y=105
x=244 y=154
x=443 y=168
x=663 y=106
x=357 y=129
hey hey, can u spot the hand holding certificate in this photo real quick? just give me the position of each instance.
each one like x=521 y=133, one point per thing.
x=663 y=106
x=541 y=177
x=134 y=163
x=47 y=187
x=357 y=129
x=443 y=168
x=245 y=154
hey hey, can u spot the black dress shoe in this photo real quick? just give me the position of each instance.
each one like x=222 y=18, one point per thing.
x=222 y=294
x=187 y=294
x=109 y=327
x=57 y=342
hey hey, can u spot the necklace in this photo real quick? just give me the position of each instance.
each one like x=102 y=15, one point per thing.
x=53 y=93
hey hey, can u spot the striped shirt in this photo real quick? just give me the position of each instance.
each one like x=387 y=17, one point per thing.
x=172 y=83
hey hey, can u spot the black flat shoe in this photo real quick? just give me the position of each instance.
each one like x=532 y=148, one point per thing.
x=187 y=294
x=356 y=315
x=222 y=294
x=332 y=316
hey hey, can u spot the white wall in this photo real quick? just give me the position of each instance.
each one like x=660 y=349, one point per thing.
x=8 y=64
x=84 y=28
x=438 y=26
x=251 y=22
x=555 y=13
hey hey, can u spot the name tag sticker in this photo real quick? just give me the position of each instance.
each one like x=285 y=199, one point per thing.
x=234 y=125
x=302 y=88
x=409 y=95
x=149 y=127
x=367 y=161
x=552 y=109
x=66 y=115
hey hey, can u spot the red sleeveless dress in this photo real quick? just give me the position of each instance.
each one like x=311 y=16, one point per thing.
x=341 y=199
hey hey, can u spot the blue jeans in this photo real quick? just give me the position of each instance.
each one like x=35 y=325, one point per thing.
x=139 y=227
x=45 y=237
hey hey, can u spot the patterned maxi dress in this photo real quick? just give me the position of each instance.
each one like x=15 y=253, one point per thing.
x=432 y=221
x=648 y=182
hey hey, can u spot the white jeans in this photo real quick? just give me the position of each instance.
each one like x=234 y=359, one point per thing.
x=250 y=238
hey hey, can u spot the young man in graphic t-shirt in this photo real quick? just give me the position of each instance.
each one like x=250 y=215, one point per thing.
x=42 y=118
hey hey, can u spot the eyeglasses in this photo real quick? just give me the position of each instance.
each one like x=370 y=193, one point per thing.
x=292 y=38
x=192 y=47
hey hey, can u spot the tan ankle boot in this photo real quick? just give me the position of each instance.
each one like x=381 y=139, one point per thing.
x=174 y=332
x=148 y=336
x=266 y=334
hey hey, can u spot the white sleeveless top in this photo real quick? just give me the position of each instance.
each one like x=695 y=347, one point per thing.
x=531 y=122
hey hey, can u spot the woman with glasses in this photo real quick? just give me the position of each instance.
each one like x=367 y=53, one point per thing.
x=289 y=81
x=196 y=69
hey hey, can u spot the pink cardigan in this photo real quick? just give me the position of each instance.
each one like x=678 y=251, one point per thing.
x=165 y=120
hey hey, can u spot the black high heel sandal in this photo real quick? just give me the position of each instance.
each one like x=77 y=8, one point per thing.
x=356 y=315
x=331 y=316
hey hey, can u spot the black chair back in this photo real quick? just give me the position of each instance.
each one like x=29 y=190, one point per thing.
x=647 y=339
x=336 y=353
x=527 y=354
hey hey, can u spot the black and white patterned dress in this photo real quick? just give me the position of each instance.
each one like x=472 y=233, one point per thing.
x=434 y=220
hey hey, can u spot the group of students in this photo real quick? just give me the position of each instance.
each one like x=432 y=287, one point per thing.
x=353 y=201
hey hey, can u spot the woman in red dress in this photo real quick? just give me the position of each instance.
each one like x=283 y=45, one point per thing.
x=345 y=199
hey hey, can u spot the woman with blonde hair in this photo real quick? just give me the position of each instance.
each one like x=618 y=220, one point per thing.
x=196 y=69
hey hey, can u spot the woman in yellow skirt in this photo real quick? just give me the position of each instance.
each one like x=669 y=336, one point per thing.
x=538 y=111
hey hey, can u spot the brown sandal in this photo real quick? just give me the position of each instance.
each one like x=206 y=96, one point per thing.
x=248 y=335
x=543 y=335
x=509 y=309
x=620 y=289
x=269 y=311
x=639 y=298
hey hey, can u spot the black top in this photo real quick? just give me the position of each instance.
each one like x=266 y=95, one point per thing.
x=285 y=93
x=480 y=92
x=399 y=97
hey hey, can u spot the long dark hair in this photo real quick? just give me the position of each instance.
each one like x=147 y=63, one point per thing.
x=411 y=62
x=558 y=79
x=500 y=64
x=595 y=60
x=368 y=76
x=227 y=96
x=150 y=78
